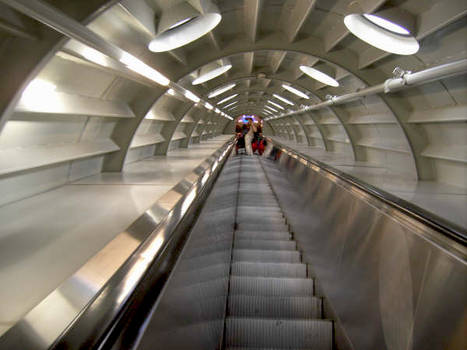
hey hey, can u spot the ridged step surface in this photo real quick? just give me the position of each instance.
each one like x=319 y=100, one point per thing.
x=271 y=286
x=274 y=307
x=252 y=269
x=265 y=256
x=252 y=226
x=266 y=333
x=271 y=235
x=265 y=244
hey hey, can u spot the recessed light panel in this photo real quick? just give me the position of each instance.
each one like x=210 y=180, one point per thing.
x=221 y=90
x=227 y=99
x=211 y=74
x=320 y=76
x=295 y=91
x=275 y=104
x=283 y=99
x=181 y=24
x=382 y=34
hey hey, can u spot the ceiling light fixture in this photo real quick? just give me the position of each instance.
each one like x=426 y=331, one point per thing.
x=275 y=104
x=211 y=74
x=270 y=108
x=182 y=23
x=208 y=106
x=142 y=68
x=230 y=104
x=227 y=99
x=191 y=96
x=221 y=90
x=295 y=91
x=171 y=92
x=320 y=76
x=283 y=99
x=382 y=33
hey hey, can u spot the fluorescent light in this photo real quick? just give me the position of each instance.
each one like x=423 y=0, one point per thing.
x=94 y=56
x=393 y=27
x=185 y=32
x=275 y=104
x=211 y=74
x=208 y=106
x=221 y=90
x=320 y=76
x=191 y=96
x=230 y=104
x=171 y=92
x=283 y=99
x=217 y=110
x=142 y=68
x=227 y=99
x=270 y=108
x=295 y=91
x=381 y=36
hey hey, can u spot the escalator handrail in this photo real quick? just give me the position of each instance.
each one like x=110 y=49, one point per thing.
x=439 y=224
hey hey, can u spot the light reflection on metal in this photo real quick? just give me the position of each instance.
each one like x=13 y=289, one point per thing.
x=135 y=249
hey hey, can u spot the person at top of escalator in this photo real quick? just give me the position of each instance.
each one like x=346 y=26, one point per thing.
x=258 y=140
x=249 y=136
x=240 y=132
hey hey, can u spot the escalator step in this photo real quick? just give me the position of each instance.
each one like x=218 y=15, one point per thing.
x=262 y=226
x=264 y=333
x=261 y=218
x=267 y=244
x=265 y=256
x=274 y=307
x=281 y=235
x=269 y=270
x=271 y=286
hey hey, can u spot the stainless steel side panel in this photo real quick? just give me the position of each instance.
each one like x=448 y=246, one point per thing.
x=393 y=282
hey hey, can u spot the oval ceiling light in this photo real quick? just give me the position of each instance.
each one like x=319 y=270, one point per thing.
x=221 y=90
x=295 y=91
x=320 y=76
x=230 y=104
x=270 y=108
x=182 y=23
x=382 y=34
x=275 y=104
x=283 y=99
x=227 y=99
x=211 y=71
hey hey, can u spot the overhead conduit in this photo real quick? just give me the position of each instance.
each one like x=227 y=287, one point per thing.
x=406 y=80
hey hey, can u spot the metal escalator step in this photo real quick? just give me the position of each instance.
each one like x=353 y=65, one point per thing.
x=262 y=226
x=271 y=286
x=249 y=208
x=267 y=333
x=274 y=307
x=266 y=256
x=272 y=235
x=269 y=270
x=261 y=218
x=186 y=278
x=266 y=244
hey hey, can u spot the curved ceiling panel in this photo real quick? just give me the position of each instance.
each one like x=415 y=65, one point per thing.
x=266 y=42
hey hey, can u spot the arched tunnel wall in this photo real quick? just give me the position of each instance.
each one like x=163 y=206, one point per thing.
x=70 y=110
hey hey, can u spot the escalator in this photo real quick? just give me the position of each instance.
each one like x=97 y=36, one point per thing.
x=240 y=282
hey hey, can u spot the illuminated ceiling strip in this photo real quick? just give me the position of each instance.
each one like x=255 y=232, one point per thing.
x=283 y=99
x=227 y=99
x=275 y=104
x=221 y=90
x=295 y=91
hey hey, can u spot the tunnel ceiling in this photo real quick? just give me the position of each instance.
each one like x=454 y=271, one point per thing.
x=106 y=113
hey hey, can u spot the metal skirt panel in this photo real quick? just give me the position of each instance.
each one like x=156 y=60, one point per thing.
x=388 y=280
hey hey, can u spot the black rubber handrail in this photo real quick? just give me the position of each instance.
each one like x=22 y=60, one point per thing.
x=441 y=225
